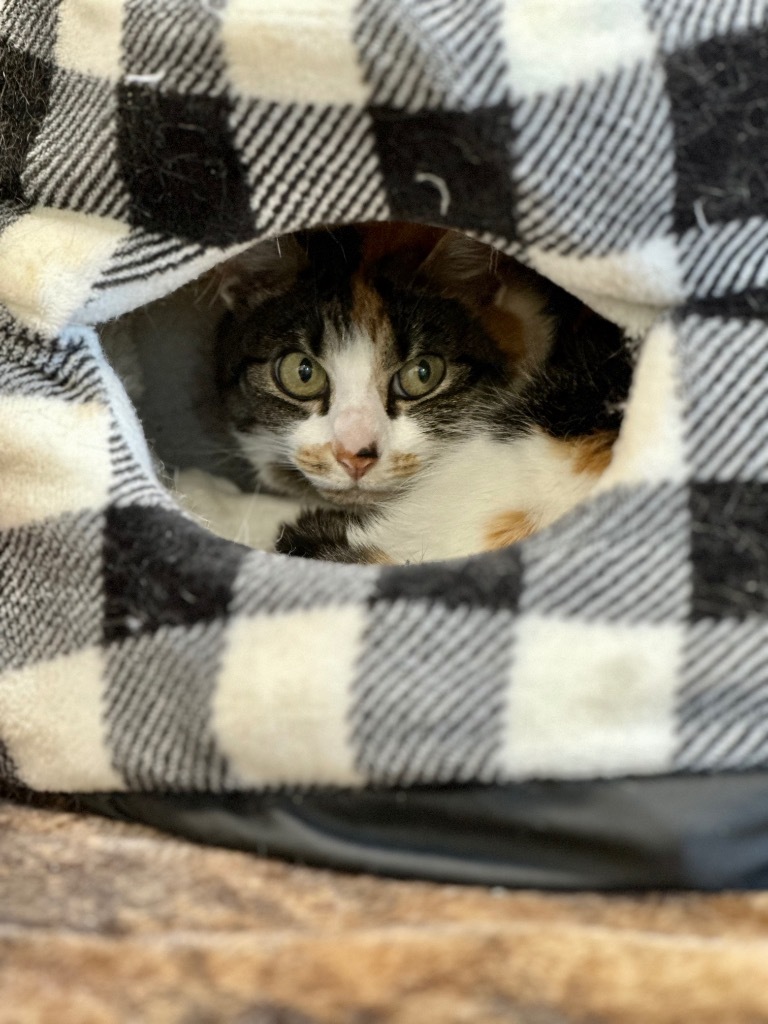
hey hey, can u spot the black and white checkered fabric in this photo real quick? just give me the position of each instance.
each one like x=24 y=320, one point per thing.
x=620 y=148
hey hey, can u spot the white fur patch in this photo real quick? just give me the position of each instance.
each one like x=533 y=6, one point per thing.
x=448 y=510
x=252 y=519
x=651 y=446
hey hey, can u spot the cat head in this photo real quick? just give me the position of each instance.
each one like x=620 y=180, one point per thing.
x=348 y=359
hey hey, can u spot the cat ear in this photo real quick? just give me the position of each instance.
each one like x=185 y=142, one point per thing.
x=260 y=272
x=508 y=298
x=463 y=268
x=396 y=250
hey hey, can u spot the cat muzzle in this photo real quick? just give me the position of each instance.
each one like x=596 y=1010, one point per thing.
x=356 y=464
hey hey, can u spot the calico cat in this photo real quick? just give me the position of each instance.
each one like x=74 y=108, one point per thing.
x=428 y=396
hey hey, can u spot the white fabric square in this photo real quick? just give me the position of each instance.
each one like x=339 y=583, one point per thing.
x=589 y=699
x=297 y=51
x=48 y=261
x=555 y=44
x=647 y=274
x=89 y=37
x=52 y=725
x=54 y=458
x=651 y=446
x=280 y=712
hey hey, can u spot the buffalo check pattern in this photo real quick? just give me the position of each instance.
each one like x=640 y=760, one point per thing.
x=621 y=150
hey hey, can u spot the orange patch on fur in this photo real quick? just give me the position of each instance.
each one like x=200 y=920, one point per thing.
x=414 y=240
x=368 y=308
x=592 y=452
x=506 y=329
x=374 y=556
x=314 y=458
x=508 y=528
x=404 y=464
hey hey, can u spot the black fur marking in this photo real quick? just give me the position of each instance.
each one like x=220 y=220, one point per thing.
x=322 y=533
x=583 y=386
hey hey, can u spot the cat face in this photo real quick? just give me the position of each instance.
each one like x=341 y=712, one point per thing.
x=346 y=365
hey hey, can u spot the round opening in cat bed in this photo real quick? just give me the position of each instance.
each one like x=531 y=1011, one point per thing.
x=377 y=393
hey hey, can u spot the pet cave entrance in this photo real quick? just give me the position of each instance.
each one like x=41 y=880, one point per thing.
x=568 y=368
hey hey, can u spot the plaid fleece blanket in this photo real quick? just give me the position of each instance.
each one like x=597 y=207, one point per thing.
x=619 y=148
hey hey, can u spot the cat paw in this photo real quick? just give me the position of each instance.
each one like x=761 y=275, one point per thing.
x=323 y=534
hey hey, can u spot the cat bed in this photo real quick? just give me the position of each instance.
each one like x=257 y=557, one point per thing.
x=547 y=697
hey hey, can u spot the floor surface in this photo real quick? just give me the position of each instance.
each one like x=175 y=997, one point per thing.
x=104 y=922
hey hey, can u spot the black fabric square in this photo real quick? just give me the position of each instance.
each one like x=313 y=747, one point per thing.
x=719 y=95
x=485 y=581
x=448 y=166
x=180 y=166
x=163 y=570
x=729 y=549
x=748 y=305
x=25 y=98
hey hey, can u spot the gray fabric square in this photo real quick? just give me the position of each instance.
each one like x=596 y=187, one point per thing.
x=61 y=368
x=142 y=256
x=685 y=24
x=50 y=589
x=31 y=25
x=174 y=46
x=421 y=56
x=73 y=162
x=594 y=163
x=308 y=164
x=277 y=584
x=721 y=259
x=132 y=481
x=725 y=372
x=429 y=698
x=157 y=706
x=585 y=567
x=722 y=709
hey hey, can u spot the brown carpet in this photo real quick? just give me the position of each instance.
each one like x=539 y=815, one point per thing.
x=102 y=922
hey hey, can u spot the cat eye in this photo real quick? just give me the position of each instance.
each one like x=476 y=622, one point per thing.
x=419 y=376
x=301 y=376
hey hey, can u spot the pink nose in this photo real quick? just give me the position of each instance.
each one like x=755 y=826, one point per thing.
x=356 y=464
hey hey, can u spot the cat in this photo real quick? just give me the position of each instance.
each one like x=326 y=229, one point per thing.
x=425 y=395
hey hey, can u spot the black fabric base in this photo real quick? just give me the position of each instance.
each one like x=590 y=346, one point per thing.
x=680 y=832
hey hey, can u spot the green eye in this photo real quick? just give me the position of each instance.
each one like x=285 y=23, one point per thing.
x=419 y=376
x=301 y=375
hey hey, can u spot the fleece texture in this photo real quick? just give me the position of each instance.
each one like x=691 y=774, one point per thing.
x=619 y=148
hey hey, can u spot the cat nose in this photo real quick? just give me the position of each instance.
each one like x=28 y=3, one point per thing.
x=357 y=463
